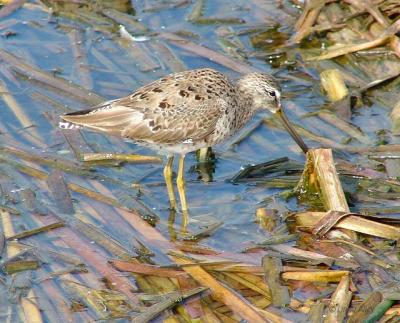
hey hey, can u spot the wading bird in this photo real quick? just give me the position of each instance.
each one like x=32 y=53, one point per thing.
x=183 y=112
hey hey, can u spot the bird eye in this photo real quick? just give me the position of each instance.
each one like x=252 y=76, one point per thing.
x=272 y=93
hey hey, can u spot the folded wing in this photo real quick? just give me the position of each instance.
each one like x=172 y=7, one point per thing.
x=169 y=110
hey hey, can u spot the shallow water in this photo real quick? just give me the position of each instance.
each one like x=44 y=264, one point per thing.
x=49 y=48
x=106 y=66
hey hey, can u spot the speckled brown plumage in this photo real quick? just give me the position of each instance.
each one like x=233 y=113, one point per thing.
x=182 y=112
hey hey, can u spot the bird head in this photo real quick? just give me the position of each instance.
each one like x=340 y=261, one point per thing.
x=265 y=92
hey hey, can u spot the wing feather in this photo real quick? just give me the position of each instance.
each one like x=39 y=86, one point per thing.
x=179 y=107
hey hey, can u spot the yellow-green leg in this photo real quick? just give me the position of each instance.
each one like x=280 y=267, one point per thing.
x=171 y=225
x=203 y=155
x=168 y=181
x=180 y=183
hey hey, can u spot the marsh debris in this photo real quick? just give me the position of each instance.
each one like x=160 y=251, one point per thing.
x=94 y=240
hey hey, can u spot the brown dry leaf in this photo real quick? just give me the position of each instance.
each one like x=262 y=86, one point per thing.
x=340 y=302
x=225 y=295
x=320 y=174
x=373 y=10
x=279 y=292
x=146 y=269
x=327 y=222
x=236 y=268
x=316 y=312
x=339 y=50
x=304 y=254
x=261 y=288
x=307 y=20
x=193 y=306
x=352 y=222
x=366 y=307
x=329 y=276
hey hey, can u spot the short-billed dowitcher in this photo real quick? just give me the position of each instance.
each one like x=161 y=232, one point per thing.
x=183 y=112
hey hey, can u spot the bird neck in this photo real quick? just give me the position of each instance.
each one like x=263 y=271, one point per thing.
x=246 y=95
x=246 y=108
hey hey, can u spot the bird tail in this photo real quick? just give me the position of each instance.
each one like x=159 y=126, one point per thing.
x=74 y=120
x=62 y=124
x=103 y=118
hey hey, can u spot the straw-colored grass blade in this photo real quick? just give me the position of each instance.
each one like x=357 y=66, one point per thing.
x=340 y=302
x=352 y=222
x=333 y=83
x=326 y=276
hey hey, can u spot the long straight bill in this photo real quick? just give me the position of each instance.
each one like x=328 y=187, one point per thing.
x=290 y=129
